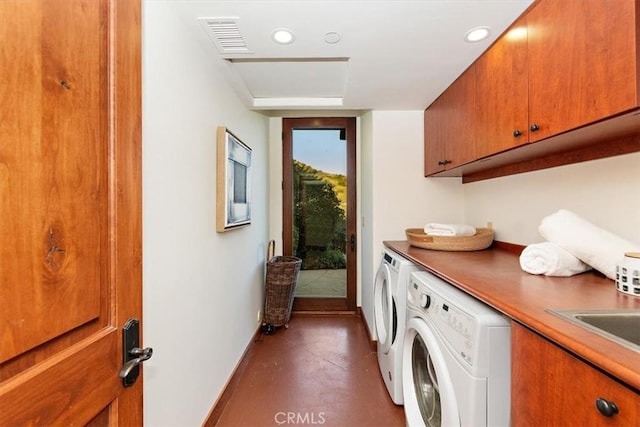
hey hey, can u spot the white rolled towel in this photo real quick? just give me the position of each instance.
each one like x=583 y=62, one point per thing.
x=591 y=244
x=437 y=229
x=551 y=260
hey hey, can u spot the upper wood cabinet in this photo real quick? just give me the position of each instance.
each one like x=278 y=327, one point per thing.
x=449 y=124
x=583 y=62
x=502 y=93
x=556 y=78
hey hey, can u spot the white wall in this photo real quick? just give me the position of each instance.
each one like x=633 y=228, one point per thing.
x=395 y=194
x=202 y=290
x=605 y=192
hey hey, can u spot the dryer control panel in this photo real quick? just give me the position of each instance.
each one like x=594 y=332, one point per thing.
x=459 y=327
x=469 y=329
x=451 y=323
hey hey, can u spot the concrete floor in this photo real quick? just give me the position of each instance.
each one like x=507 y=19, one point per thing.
x=320 y=370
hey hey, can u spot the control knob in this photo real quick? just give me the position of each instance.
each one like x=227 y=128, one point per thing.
x=425 y=301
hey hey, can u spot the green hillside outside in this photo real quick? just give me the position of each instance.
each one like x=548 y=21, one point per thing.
x=338 y=181
x=319 y=229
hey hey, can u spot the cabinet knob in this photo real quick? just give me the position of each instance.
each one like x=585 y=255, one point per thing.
x=517 y=133
x=606 y=408
x=534 y=127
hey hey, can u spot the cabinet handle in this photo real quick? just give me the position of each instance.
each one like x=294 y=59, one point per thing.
x=443 y=162
x=534 y=127
x=606 y=408
x=517 y=133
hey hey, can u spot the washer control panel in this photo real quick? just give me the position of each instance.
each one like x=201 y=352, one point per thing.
x=391 y=261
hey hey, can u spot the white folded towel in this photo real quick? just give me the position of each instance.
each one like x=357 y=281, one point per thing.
x=551 y=260
x=436 y=229
x=593 y=245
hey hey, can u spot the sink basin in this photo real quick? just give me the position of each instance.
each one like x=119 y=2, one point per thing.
x=621 y=326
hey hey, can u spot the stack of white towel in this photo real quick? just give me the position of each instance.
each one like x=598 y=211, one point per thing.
x=574 y=245
x=438 y=229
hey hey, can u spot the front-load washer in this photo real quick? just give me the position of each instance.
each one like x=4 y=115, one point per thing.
x=456 y=358
x=390 y=299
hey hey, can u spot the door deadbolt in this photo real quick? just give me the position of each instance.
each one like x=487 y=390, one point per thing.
x=132 y=355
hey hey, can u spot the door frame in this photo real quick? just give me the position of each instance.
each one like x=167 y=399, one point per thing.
x=349 y=124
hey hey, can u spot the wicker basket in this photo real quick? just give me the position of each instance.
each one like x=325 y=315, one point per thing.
x=280 y=286
x=481 y=240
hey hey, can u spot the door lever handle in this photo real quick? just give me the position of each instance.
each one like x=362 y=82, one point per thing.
x=142 y=355
x=132 y=354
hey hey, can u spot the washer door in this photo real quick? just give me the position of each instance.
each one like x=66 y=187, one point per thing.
x=429 y=397
x=384 y=308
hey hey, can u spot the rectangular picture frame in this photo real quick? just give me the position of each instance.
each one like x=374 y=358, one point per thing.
x=233 y=187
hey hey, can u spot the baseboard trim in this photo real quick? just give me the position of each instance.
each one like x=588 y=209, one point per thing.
x=229 y=387
x=373 y=344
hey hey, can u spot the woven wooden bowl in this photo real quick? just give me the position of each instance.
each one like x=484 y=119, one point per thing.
x=481 y=240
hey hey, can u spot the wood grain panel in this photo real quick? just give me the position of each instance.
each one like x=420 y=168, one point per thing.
x=67 y=388
x=60 y=161
x=551 y=387
x=502 y=93
x=435 y=131
x=606 y=148
x=460 y=143
x=450 y=126
x=583 y=62
x=70 y=161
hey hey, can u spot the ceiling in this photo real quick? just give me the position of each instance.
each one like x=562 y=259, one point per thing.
x=391 y=54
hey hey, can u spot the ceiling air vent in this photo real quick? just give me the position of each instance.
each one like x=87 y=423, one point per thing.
x=225 y=34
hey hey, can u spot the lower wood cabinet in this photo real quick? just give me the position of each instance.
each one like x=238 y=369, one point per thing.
x=551 y=387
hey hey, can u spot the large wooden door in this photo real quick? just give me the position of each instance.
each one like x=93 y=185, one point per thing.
x=70 y=209
x=311 y=228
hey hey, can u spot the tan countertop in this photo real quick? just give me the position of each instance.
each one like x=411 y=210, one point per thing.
x=494 y=276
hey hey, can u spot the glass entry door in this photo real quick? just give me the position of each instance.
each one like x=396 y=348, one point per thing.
x=319 y=206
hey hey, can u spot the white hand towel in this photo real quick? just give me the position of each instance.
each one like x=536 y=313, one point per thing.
x=593 y=245
x=551 y=260
x=436 y=229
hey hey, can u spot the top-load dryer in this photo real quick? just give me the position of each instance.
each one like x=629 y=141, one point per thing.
x=390 y=305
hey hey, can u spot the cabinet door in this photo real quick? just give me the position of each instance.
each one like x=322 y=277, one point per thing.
x=551 y=387
x=502 y=93
x=582 y=63
x=460 y=147
x=435 y=135
x=450 y=126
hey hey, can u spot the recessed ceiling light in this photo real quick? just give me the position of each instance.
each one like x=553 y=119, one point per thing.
x=477 y=34
x=332 y=37
x=282 y=36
